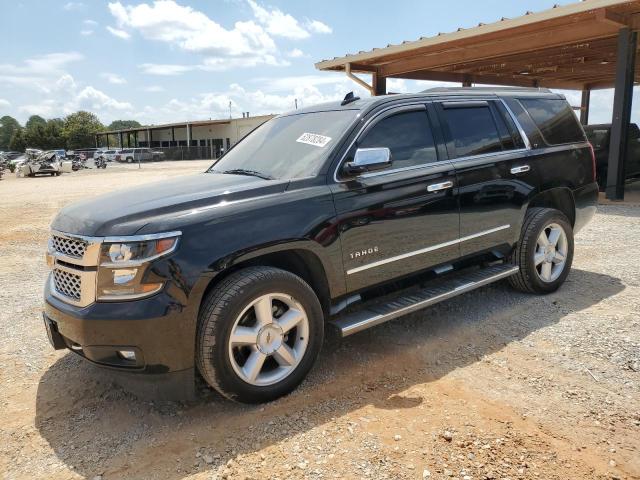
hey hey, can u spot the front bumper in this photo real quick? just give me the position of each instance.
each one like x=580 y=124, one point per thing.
x=157 y=329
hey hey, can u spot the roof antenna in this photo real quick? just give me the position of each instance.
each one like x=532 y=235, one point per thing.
x=349 y=98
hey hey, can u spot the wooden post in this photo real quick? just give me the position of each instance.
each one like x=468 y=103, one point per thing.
x=584 y=106
x=623 y=96
x=379 y=85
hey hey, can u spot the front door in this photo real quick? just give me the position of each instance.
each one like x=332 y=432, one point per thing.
x=404 y=219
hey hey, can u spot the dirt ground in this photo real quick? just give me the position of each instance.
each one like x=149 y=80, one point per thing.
x=492 y=385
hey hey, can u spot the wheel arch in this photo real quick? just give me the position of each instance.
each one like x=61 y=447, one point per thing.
x=559 y=198
x=295 y=259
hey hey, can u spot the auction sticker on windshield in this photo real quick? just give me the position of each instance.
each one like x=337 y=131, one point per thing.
x=314 y=139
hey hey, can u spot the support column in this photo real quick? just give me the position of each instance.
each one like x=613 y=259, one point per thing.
x=149 y=137
x=106 y=136
x=379 y=84
x=120 y=141
x=173 y=136
x=625 y=69
x=188 y=135
x=135 y=139
x=584 y=106
x=97 y=140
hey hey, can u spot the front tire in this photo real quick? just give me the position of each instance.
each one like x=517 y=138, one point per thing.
x=259 y=333
x=544 y=252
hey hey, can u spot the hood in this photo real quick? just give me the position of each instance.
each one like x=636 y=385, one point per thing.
x=124 y=212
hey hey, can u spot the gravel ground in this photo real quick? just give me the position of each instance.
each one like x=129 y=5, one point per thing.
x=491 y=385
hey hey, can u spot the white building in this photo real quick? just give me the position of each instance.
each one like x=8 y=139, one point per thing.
x=198 y=139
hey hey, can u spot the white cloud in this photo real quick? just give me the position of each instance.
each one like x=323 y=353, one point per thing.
x=86 y=32
x=118 y=33
x=317 y=26
x=247 y=43
x=36 y=73
x=4 y=103
x=90 y=23
x=73 y=6
x=153 y=89
x=295 y=53
x=165 y=69
x=113 y=78
x=278 y=23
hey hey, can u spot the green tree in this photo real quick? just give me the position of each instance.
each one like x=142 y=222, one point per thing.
x=53 y=137
x=8 y=125
x=35 y=120
x=122 y=124
x=18 y=143
x=80 y=128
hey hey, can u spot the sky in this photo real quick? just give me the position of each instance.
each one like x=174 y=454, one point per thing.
x=175 y=60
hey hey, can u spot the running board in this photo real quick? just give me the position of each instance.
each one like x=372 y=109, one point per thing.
x=444 y=288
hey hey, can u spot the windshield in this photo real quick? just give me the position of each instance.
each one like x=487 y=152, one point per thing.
x=288 y=147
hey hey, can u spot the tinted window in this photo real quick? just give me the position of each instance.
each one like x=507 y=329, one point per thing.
x=408 y=136
x=555 y=120
x=473 y=130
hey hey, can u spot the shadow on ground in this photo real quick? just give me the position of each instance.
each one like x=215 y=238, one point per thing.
x=97 y=428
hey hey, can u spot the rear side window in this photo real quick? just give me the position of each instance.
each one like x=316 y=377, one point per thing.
x=473 y=130
x=555 y=120
x=408 y=136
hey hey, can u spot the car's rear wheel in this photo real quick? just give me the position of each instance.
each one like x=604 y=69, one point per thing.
x=129 y=160
x=259 y=333
x=544 y=252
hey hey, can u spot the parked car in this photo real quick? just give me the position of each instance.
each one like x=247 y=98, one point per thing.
x=599 y=136
x=108 y=155
x=351 y=213
x=134 y=155
x=46 y=163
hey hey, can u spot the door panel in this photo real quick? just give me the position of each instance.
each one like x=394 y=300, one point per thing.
x=386 y=220
x=494 y=185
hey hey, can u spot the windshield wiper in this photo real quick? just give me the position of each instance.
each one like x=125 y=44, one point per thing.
x=251 y=173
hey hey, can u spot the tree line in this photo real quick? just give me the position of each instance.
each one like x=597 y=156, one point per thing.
x=73 y=131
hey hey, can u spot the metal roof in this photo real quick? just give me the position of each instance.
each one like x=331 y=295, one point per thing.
x=195 y=123
x=571 y=46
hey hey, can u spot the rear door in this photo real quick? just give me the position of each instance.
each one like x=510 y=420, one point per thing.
x=402 y=220
x=494 y=176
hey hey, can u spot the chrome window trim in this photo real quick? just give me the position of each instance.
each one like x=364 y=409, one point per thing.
x=448 y=161
x=426 y=250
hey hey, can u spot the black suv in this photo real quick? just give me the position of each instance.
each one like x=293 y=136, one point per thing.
x=346 y=214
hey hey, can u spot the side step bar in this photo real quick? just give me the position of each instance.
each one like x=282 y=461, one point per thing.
x=443 y=289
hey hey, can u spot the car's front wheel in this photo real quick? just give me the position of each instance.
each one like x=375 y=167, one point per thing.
x=544 y=252
x=259 y=333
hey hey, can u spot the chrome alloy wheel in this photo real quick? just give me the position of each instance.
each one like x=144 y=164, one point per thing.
x=551 y=252
x=268 y=339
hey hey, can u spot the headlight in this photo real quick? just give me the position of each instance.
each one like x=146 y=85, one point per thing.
x=124 y=262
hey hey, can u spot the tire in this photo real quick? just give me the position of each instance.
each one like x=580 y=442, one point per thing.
x=229 y=308
x=551 y=271
x=156 y=158
x=129 y=160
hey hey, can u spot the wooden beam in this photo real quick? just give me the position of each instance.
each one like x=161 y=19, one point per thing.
x=495 y=49
x=584 y=107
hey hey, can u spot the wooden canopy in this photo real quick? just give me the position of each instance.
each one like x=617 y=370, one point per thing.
x=569 y=47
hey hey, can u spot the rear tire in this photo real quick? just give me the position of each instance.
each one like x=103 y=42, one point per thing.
x=259 y=333
x=129 y=160
x=544 y=252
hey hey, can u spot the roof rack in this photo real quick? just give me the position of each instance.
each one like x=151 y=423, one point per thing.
x=486 y=89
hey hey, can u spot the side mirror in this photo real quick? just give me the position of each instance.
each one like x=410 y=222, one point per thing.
x=368 y=160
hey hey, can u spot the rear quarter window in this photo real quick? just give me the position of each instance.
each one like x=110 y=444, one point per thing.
x=555 y=120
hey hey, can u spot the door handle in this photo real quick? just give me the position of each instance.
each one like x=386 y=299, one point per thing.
x=436 y=187
x=520 y=169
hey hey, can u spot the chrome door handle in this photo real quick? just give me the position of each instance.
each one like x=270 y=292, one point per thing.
x=436 y=187
x=520 y=169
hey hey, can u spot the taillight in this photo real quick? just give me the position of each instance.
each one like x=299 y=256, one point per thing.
x=593 y=161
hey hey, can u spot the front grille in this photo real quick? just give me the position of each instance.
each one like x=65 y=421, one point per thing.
x=69 y=246
x=67 y=284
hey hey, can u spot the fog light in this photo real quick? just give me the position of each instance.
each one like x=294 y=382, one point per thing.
x=127 y=355
x=124 y=275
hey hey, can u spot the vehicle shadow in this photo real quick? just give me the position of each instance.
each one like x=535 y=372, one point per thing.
x=97 y=428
